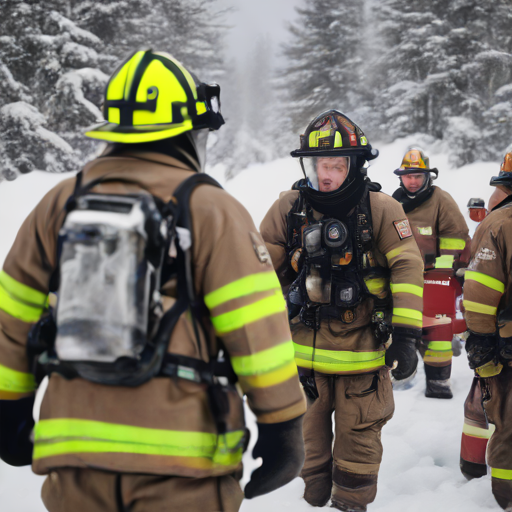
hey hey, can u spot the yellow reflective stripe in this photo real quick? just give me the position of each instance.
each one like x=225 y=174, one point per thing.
x=330 y=361
x=14 y=381
x=476 y=307
x=21 y=301
x=264 y=361
x=452 y=244
x=338 y=141
x=66 y=436
x=22 y=292
x=407 y=321
x=490 y=282
x=393 y=254
x=271 y=378
x=142 y=136
x=440 y=345
x=254 y=283
x=502 y=474
x=445 y=261
x=376 y=285
x=437 y=357
x=483 y=433
x=407 y=288
x=408 y=313
x=228 y=322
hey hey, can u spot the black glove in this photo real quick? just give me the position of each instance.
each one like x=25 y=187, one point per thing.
x=16 y=424
x=281 y=447
x=403 y=350
x=481 y=349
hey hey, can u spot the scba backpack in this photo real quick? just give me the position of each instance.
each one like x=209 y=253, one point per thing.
x=114 y=254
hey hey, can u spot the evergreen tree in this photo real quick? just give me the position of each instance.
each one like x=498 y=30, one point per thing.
x=325 y=61
x=56 y=57
x=443 y=73
x=38 y=48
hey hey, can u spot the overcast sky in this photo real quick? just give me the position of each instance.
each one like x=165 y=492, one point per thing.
x=253 y=18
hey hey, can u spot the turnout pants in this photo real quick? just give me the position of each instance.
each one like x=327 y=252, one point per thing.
x=86 y=490
x=475 y=434
x=362 y=404
x=436 y=348
x=497 y=395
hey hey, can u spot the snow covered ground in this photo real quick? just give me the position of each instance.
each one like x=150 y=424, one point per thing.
x=419 y=470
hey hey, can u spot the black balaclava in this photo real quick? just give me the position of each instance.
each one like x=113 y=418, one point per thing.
x=410 y=200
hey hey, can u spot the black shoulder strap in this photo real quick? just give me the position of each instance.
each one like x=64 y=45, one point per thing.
x=179 y=208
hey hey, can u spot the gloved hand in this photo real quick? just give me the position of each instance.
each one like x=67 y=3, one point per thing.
x=481 y=349
x=403 y=350
x=16 y=424
x=281 y=447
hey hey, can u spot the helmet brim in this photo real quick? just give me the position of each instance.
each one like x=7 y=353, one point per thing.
x=368 y=153
x=410 y=170
x=111 y=132
x=504 y=180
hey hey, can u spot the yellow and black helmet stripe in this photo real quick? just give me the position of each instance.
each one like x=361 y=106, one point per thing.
x=152 y=96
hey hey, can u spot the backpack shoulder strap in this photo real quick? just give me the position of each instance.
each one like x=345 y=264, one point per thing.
x=180 y=201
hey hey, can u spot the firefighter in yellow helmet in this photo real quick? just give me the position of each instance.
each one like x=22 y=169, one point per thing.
x=156 y=270
x=442 y=236
x=488 y=308
x=347 y=259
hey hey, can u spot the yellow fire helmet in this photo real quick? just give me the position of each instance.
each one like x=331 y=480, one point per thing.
x=505 y=176
x=415 y=161
x=152 y=96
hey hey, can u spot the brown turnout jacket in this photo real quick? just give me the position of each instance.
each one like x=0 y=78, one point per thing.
x=164 y=426
x=487 y=281
x=439 y=229
x=345 y=348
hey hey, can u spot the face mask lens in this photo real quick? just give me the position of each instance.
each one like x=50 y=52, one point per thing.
x=335 y=164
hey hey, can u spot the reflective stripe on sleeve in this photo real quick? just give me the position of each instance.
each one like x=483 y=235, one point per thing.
x=502 y=474
x=338 y=361
x=228 y=322
x=452 y=244
x=261 y=282
x=391 y=255
x=67 y=436
x=407 y=288
x=407 y=321
x=13 y=381
x=21 y=301
x=408 y=313
x=490 y=282
x=445 y=261
x=476 y=307
x=267 y=367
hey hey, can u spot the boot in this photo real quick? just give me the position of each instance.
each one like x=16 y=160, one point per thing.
x=438 y=389
x=318 y=490
x=472 y=470
x=339 y=506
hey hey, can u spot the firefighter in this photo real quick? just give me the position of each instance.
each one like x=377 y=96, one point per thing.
x=442 y=236
x=170 y=440
x=350 y=268
x=487 y=301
